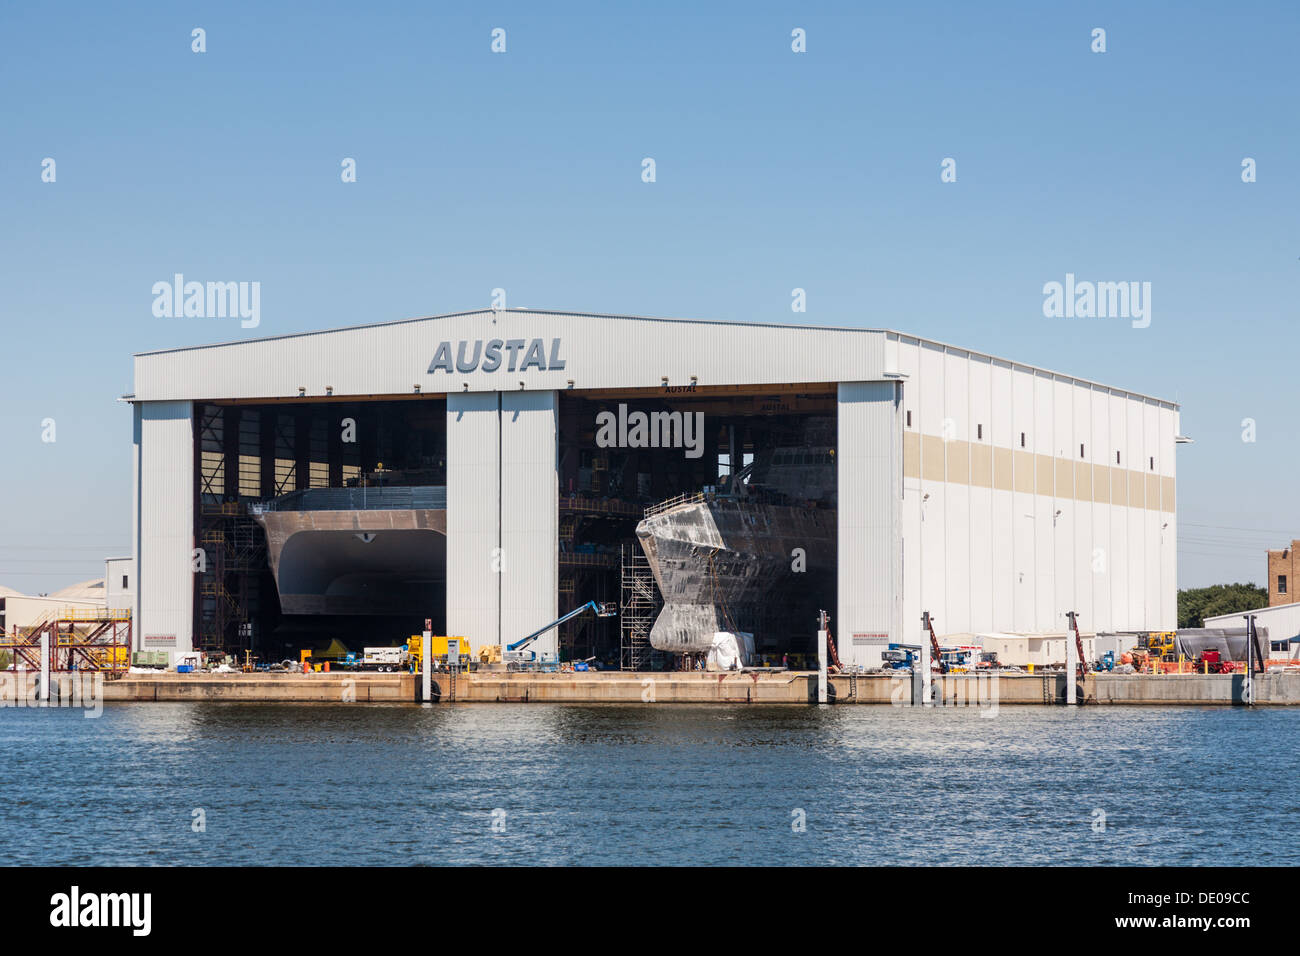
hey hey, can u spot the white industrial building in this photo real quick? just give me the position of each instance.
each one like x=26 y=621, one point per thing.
x=994 y=495
x=1281 y=622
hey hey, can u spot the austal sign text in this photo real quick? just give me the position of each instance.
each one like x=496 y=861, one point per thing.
x=469 y=361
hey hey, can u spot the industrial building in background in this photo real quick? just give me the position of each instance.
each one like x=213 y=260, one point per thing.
x=1282 y=567
x=20 y=612
x=492 y=470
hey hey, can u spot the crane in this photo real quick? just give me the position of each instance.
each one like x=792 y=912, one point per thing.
x=516 y=650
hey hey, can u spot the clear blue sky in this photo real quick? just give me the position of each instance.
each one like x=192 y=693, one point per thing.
x=775 y=170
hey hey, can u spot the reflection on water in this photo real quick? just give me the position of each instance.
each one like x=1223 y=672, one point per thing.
x=667 y=784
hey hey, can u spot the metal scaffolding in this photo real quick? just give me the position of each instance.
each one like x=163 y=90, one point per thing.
x=234 y=551
x=638 y=605
x=80 y=639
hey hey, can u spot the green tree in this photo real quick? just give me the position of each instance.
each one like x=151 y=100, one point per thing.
x=1196 y=604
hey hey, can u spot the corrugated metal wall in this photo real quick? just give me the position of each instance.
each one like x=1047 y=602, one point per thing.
x=1016 y=507
x=502 y=573
x=473 y=517
x=870 y=488
x=165 y=476
x=529 y=517
x=137 y=433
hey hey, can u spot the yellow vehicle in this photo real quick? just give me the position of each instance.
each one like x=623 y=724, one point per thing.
x=1159 y=645
x=109 y=657
x=439 y=646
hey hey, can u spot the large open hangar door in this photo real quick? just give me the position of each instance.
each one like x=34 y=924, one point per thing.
x=768 y=562
x=318 y=521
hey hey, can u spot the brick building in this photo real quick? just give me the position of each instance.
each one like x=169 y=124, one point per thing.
x=1283 y=566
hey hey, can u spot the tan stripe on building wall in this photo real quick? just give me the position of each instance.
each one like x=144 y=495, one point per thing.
x=959 y=462
x=981 y=466
x=1002 y=469
x=932 y=458
x=1082 y=481
x=1064 y=478
x=1043 y=471
x=1101 y=484
x=1024 y=471
x=1007 y=469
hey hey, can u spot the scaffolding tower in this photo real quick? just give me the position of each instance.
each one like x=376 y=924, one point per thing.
x=234 y=550
x=638 y=605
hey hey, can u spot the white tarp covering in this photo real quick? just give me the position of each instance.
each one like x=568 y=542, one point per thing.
x=730 y=651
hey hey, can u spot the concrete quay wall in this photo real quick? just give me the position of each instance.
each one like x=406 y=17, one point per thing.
x=665 y=688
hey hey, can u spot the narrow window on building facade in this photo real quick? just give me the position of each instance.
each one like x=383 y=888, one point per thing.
x=1081 y=449
x=124 y=584
x=979 y=431
x=1117 y=458
x=1153 y=464
x=1022 y=439
x=909 y=419
x=1281 y=584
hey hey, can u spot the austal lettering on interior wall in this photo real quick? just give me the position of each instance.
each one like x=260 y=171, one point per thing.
x=467 y=360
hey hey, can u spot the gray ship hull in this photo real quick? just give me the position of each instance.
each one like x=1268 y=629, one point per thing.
x=717 y=561
x=341 y=551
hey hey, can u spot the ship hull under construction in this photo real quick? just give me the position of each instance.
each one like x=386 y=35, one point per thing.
x=721 y=563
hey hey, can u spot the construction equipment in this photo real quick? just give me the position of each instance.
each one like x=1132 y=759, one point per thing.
x=587 y=664
x=896 y=657
x=1211 y=662
x=440 y=647
x=1106 y=662
x=384 y=658
x=936 y=655
x=1158 y=645
x=517 y=653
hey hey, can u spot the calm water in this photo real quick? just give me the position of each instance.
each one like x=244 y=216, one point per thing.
x=670 y=784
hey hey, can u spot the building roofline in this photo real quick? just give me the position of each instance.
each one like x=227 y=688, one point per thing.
x=693 y=321
x=1030 y=368
x=454 y=315
x=1258 y=610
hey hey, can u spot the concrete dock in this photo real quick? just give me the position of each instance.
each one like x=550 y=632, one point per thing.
x=1278 y=688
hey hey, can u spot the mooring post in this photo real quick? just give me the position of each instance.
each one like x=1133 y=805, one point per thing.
x=426 y=663
x=1247 y=685
x=927 y=674
x=925 y=658
x=1071 y=668
x=44 y=693
x=821 y=658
